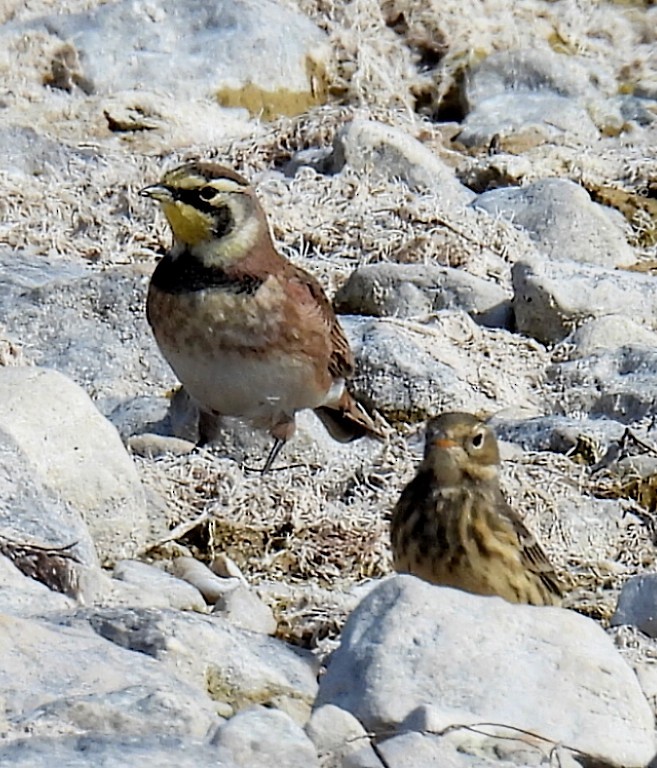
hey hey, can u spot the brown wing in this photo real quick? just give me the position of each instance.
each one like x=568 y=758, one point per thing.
x=531 y=552
x=341 y=359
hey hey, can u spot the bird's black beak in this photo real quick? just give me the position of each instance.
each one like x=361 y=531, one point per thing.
x=159 y=192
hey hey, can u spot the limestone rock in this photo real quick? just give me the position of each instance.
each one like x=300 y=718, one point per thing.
x=521 y=121
x=336 y=734
x=235 y=667
x=407 y=290
x=64 y=314
x=370 y=147
x=562 y=220
x=246 y=610
x=77 y=454
x=637 y=604
x=34 y=514
x=73 y=681
x=558 y=434
x=532 y=70
x=223 y=54
x=608 y=332
x=553 y=298
x=410 y=371
x=197 y=574
x=616 y=384
x=88 y=751
x=176 y=592
x=260 y=738
x=410 y=644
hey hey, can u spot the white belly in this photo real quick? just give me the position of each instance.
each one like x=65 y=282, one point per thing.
x=262 y=389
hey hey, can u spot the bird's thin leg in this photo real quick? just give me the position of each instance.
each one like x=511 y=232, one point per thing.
x=276 y=449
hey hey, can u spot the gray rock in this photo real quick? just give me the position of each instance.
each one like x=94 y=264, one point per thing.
x=561 y=219
x=370 y=147
x=531 y=70
x=89 y=751
x=407 y=290
x=245 y=609
x=69 y=680
x=141 y=414
x=23 y=150
x=410 y=644
x=77 y=454
x=551 y=298
x=528 y=119
x=260 y=738
x=63 y=315
x=617 y=384
x=176 y=592
x=235 y=667
x=636 y=109
x=603 y=333
x=412 y=371
x=138 y=45
x=558 y=434
x=637 y=604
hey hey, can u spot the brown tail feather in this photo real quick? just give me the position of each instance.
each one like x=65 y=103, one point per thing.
x=347 y=420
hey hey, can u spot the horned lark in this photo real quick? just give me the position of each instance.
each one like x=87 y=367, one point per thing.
x=451 y=525
x=248 y=333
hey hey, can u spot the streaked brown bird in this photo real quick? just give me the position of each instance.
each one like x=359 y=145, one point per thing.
x=452 y=526
x=248 y=333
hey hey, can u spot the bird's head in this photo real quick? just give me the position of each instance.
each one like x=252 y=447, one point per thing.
x=212 y=211
x=458 y=446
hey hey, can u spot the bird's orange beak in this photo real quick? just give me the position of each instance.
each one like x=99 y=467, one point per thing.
x=444 y=442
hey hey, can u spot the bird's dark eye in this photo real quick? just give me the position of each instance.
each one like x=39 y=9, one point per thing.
x=207 y=193
x=478 y=440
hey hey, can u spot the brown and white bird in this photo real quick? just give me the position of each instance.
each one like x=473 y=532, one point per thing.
x=248 y=333
x=452 y=526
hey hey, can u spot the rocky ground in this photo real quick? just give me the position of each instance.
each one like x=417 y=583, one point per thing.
x=475 y=185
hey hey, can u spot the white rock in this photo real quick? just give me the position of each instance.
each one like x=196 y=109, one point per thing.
x=177 y=593
x=562 y=220
x=77 y=454
x=371 y=147
x=262 y=738
x=546 y=670
x=552 y=298
x=245 y=609
x=335 y=734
